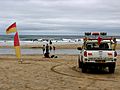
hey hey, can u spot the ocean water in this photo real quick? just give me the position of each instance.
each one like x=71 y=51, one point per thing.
x=39 y=37
x=6 y=40
x=43 y=37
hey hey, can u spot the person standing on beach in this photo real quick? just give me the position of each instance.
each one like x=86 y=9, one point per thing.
x=43 y=48
x=114 y=43
x=54 y=49
x=47 y=51
x=50 y=48
x=50 y=42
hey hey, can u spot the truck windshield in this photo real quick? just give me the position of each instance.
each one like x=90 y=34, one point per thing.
x=95 y=46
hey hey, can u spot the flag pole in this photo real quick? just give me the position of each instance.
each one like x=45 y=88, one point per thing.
x=20 y=51
x=19 y=47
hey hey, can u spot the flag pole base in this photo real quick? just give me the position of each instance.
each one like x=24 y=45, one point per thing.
x=21 y=61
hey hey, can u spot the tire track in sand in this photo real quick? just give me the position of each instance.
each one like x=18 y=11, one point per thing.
x=54 y=69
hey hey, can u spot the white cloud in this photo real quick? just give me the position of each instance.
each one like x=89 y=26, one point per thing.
x=61 y=15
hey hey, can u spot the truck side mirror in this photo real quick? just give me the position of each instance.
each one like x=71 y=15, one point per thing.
x=79 y=48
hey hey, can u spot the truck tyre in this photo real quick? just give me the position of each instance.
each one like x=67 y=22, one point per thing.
x=79 y=64
x=84 y=68
x=111 y=70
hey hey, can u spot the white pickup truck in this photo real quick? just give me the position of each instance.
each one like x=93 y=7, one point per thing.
x=98 y=51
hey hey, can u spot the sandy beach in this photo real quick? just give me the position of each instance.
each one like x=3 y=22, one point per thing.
x=62 y=73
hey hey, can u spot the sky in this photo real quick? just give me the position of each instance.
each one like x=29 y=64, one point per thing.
x=61 y=17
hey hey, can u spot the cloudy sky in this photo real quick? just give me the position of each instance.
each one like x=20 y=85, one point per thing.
x=60 y=16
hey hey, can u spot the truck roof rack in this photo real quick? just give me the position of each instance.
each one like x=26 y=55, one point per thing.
x=95 y=35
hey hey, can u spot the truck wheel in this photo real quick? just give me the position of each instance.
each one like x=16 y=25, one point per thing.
x=79 y=64
x=111 y=70
x=84 y=68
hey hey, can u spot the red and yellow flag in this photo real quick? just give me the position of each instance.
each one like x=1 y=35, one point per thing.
x=11 y=28
x=17 y=45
